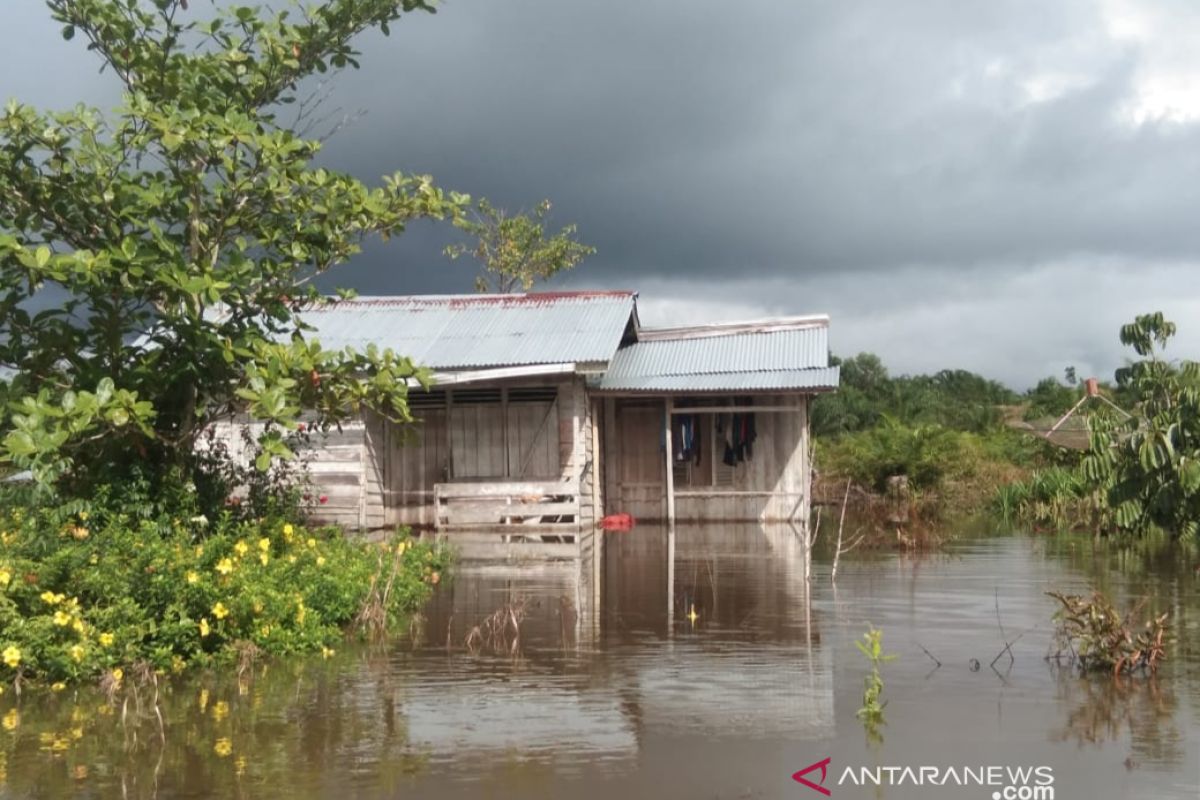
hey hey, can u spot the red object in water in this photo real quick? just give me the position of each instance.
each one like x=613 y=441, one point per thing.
x=617 y=522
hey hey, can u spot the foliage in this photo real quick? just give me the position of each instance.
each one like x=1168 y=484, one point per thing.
x=1142 y=470
x=513 y=250
x=951 y=398
x=1049 y=398
x=173 y=242
x=923 y=453
x=1097 y=637
x=1055 y=497
x=92 y=588
x=871 y=646
x=1148 y=464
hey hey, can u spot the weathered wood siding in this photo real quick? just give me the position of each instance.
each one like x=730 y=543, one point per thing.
x=635 y=471
x=769 y=486
x=516 y=435
x=337 y=465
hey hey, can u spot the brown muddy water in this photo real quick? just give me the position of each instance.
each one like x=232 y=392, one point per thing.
x=651 y=700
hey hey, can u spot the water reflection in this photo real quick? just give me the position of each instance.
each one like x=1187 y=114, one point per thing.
x=713 y=669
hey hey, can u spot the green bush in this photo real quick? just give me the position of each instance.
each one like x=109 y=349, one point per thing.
x=923 y=453
x=89 y=588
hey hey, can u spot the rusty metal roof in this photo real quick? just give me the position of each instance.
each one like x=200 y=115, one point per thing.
x=774 y=355
x=471 y=331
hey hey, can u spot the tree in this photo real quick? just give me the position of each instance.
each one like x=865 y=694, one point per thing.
x=513 y=250
x=183 y=232
x=1146 y=466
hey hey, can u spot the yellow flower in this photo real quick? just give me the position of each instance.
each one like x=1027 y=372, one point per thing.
x=327 y=652
x=320 y=561
x=264 y=544
x=5 y=577
x=220 y=710
x=118 y=674
x=58 y=686
x=77 y=653
x=288 y=530
x=220 y=611
x=50 y=598
x=12 y=720
x=79 y=532
x=224 y=566
x=312 y=542
x=77 y=625
x=204 y=629
x=83 y=516
x=192 y=576
x=199 y=550
x=223 y=747
x=264 y=558
x=202 y=700
x=106 y=639
x=178 y=664
x=241 y=547
x=12 y=656
x=266 y=630
x=62 y=618
x=291 y=559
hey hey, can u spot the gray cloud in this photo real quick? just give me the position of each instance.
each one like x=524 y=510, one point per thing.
x=918 y=168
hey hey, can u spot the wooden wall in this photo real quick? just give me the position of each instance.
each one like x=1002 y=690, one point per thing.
x=535 y=439
x=339 y=466
x=635 y=479
x=769 y=486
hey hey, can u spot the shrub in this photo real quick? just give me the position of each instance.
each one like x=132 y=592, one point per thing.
x=1095 y=636
x=923 y=453
x=90 y=587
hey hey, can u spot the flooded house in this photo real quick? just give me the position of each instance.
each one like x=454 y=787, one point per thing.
x=550 y=410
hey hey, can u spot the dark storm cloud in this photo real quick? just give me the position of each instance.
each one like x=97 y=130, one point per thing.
x=891 y=162
x=699 y=139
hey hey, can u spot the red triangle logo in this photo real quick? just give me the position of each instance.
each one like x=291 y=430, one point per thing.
x=822 y=765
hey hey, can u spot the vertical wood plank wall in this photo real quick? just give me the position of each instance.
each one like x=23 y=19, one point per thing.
x=635 y=479
x=337 y=465
x=769 y=486
x=542 y=440
x=374 y=473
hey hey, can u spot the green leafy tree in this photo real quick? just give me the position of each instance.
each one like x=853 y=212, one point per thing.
x=1147 y=465
x=178 y=237
x=513 y=250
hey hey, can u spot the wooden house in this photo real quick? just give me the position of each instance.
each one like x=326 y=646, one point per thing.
x=551 y=410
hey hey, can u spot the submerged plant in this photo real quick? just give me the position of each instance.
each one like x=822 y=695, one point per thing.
x=871 y=646
x=1094 y=636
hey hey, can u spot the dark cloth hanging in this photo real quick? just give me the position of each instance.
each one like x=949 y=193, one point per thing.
x=685 y=435
x=739 y=432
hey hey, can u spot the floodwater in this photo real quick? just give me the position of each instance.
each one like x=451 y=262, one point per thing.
x=716 y=673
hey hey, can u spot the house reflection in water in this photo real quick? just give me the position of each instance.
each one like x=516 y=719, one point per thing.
x=719 y=641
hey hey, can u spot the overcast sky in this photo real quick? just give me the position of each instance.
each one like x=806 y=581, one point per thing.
x=992 y=185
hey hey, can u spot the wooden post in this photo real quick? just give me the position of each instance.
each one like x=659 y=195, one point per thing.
x=670 y=461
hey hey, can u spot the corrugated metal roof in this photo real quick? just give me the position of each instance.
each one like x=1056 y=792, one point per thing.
x=774 y=358
x=468 y=331
x=817 y=379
